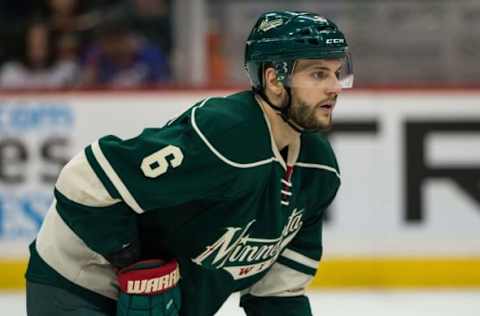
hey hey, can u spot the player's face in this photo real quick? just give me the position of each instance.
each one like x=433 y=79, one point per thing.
x=315 y=87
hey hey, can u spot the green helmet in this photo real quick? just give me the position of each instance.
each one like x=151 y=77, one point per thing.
x=278 y=39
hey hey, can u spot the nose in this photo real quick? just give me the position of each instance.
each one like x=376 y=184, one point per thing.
x=334 y=87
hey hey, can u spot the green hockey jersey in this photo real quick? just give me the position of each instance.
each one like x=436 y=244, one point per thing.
x=211 y=189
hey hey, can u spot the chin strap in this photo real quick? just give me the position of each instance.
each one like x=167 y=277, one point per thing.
x=284 y=111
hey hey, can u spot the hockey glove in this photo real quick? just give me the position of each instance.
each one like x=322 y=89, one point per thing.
x=149 y=288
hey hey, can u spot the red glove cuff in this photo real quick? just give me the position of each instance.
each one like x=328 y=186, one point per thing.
x=149 y=277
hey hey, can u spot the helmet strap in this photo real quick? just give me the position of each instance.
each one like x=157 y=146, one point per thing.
x=284 y=111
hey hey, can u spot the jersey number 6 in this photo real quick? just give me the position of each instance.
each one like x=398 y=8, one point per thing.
x=157 y=164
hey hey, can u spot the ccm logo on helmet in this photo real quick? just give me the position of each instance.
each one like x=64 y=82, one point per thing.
x=335 y=41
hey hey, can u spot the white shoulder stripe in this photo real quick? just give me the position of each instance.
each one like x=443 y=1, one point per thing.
x=68 y=254
x=317 y=166
x=217 y=153
x=117 y=182
x=79 y=183
x=298 y=257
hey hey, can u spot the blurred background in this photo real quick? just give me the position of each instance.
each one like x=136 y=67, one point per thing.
x=119 y=43
x=403 y=236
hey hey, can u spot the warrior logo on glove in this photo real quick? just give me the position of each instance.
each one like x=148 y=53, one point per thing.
x=140 y=278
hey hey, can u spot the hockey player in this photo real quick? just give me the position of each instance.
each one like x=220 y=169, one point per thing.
x=227 y=197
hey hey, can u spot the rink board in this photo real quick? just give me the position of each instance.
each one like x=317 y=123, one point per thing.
x=407 y=213
x=349 y=273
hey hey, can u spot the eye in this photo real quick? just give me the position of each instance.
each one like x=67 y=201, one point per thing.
x=337 y=74
x=319 y=75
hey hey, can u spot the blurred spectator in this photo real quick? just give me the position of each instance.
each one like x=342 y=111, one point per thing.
x=37 y=67
x=121 y=58
x=14 y=17
x=151 y=18
x=71 y=17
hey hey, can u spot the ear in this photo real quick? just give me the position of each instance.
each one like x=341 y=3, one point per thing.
x=271 y=82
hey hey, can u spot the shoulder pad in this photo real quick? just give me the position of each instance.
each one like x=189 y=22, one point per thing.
x=234 y=129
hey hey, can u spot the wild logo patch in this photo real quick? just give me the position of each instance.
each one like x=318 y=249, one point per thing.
x=268 y=25
x=242 y=255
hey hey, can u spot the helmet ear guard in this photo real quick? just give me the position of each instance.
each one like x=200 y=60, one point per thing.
x=283 y=69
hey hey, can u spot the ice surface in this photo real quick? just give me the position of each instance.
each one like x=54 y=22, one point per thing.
x=343 y=303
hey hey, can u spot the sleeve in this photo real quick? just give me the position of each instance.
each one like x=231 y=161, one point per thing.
x=162 y=168
x=282 y=290
x=102 y=221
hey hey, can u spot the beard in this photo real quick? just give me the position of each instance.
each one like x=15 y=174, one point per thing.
x=307 y=116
